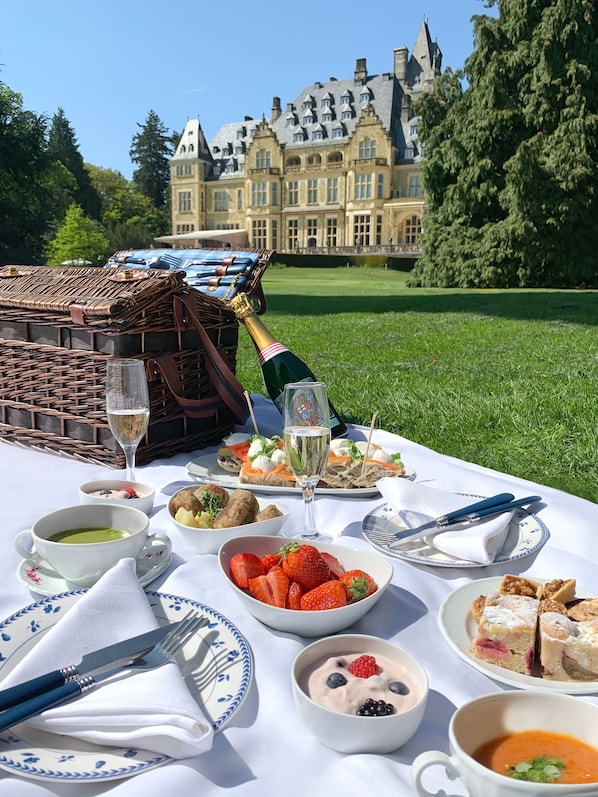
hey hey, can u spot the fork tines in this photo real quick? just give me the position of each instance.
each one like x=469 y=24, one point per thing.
x=180 y=635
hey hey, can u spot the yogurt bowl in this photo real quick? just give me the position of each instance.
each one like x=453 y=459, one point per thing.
x=329 y=711
x=118 y=492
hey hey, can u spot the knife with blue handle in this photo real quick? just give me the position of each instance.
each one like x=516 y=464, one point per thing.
x=467 y=514
x=90 y=663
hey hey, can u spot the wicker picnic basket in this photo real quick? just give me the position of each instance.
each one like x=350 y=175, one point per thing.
x=58 y=327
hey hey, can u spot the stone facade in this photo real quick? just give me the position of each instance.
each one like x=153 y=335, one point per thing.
x=337 y=171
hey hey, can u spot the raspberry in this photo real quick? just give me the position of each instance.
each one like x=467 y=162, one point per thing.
x=363 y=667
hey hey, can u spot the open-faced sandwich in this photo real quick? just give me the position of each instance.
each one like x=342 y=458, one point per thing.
x=262 y=460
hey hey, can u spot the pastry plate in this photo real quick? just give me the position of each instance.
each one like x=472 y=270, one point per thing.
x=219 y=683
x=207 y=469
x=41 y=579
x=526 y=535
x=459 y=628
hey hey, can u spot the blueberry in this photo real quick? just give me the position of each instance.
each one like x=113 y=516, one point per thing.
x=105 y=492
x=335 y=680
x=398 y=687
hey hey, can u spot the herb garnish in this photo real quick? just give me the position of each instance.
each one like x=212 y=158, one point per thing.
x=267 y=444
x=539 y=770
x=212 y=502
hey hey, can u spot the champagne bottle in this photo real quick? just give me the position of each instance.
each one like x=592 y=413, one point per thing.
x=279 y=365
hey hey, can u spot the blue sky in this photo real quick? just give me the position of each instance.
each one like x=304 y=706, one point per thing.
x=107 y=64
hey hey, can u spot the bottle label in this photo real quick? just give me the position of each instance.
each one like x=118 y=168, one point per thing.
x=269 y=351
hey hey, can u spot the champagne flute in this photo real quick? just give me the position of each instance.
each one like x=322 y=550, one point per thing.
x=127 y=406
x=306 y=432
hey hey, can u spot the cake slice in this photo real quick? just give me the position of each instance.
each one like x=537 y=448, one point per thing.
x=507 y=631
x=568 y=649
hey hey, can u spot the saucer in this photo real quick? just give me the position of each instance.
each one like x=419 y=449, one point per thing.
x=44 y=580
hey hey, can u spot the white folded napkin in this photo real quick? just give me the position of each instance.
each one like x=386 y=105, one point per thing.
x=151 y=710
x=474 y=542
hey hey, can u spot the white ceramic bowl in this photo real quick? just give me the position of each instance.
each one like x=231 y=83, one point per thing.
x=349 y=733
x=313 y=623
x=145 y=492
x=485 y=718
x=210 y=540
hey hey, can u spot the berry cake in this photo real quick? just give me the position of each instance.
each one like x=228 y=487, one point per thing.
x=507 y=631
x=568 y=649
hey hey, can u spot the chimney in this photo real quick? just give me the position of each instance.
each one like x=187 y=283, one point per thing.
x=361 y=71
x=401 y=64
x=406 y=108
x=276 y=109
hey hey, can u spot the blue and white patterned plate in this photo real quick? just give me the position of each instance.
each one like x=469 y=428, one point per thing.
x=220 y=684
x=526 y=535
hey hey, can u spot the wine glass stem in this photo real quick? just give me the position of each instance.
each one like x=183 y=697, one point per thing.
x=310 y=531
x=130 y=452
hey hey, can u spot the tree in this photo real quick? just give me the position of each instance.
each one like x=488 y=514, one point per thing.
x=151 y=150
x=511 y=162
x=78 y=241
x=63 y=147
x=130 y=219
x=27 y=205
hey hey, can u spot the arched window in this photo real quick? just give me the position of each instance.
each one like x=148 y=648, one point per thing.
x=335 y=157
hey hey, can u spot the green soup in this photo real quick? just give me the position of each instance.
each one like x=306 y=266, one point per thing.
x=80 y=536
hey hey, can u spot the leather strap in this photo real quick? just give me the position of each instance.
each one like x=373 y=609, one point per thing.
x=228 y=387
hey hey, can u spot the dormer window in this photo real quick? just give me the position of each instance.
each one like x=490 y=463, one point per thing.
x=409 y=152
x=346 y=98
x=298 y=137
x=308 y=119
x=291 y=120
x=308 y=103
x=365 y=96
x=347 y=114
x=327 y=116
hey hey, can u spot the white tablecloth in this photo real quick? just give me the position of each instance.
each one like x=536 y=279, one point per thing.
x=266 y=749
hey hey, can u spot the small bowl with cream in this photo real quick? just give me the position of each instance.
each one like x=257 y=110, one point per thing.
x=359 y=693
x=119 y=492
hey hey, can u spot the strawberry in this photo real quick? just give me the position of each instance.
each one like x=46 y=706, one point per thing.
x=270 y=560
x=304 y=563
x=363 y=667
x=330 y=595
x=294 y=595
x=271 y=588
x=244 y=566
x=335 y=567
x=358 y=584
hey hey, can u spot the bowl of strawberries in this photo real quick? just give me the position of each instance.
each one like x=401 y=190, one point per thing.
x=307 y=588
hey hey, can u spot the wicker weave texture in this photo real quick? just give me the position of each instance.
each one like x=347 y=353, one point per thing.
x=52 y=395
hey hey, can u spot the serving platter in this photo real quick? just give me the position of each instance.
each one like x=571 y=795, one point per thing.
x=458 y=627
x=206 y=469
x=219 y=684
x=526 y=534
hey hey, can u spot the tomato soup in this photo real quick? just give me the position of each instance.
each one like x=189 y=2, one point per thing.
x=577 y=761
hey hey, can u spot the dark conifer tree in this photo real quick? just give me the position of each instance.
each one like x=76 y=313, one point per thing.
x=63 y=147
x=151 y=150
x=511 y=168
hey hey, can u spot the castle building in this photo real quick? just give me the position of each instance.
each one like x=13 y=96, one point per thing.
x=337 y=170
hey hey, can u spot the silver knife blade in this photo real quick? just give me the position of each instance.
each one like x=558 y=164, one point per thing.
x=93 y=662
x=112 y=654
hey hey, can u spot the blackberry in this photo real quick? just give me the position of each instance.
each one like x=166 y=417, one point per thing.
x=335 y=680
x=375 y=708
x=398 y=687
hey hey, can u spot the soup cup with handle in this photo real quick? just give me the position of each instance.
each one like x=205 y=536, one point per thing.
x=487 y=718
x=82 y=563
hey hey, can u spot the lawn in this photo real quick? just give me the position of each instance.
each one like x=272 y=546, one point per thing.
x=504 y=378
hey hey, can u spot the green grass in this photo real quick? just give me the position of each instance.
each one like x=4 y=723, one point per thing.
x=506 y=379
